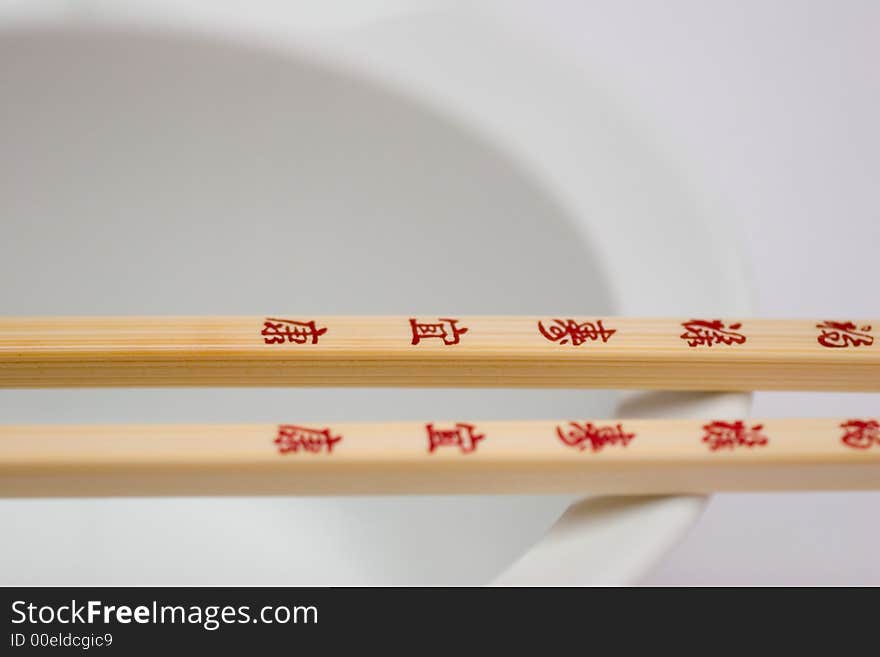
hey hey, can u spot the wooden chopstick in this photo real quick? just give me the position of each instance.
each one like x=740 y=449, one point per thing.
x=600 y=456
x=554 y=352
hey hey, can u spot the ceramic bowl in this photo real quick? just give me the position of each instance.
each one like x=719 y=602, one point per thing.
x=174 y=163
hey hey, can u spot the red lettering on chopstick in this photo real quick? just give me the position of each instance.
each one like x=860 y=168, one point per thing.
x=462 y=436
x=702 y=332
x=839 y=335
x=582 y=435
x=279 y=331
x=564 y=331
x=720 y=435
x=445 y=329
x=294 y=438
x=861 y=434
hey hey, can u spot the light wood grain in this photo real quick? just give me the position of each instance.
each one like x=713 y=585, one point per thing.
x=495 y=351
x=660 y=456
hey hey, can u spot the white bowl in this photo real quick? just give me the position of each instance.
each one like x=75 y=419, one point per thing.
x=178 y=165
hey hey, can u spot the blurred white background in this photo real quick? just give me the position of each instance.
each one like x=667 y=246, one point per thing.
x=772 y=108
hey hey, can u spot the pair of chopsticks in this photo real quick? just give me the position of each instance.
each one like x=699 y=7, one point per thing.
x=436 y=456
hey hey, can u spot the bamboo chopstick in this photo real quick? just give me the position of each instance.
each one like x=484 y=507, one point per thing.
x=600 y=456
x=487 y=351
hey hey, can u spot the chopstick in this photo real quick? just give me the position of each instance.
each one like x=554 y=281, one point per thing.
x=598 y=456
x=685 y=353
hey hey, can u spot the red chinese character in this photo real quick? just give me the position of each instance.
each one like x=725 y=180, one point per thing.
x=861 y=434
x=711 y=332
x=278 y=331
x=439 y=330
x=581 y=435
x=729 y=435
x=844 y=334
x=292 y=438
x=462 y=436
x=568 y=329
